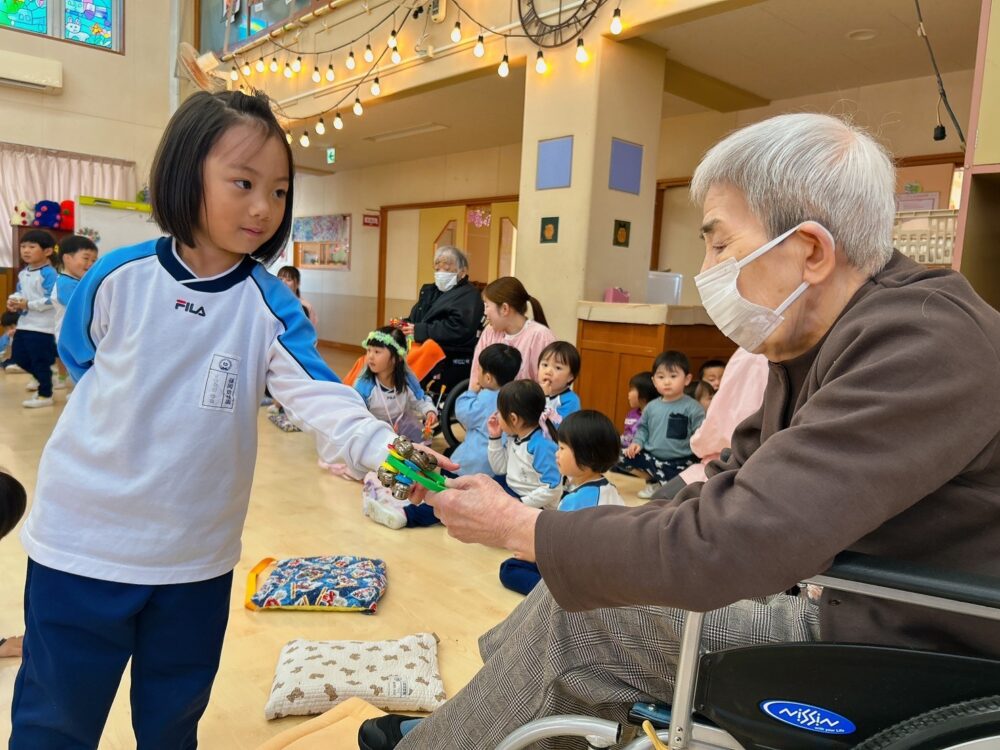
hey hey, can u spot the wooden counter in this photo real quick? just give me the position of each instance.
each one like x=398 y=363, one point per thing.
x=616 y=341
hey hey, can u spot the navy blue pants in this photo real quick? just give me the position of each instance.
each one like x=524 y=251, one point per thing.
x=79 y=634
x=35 y=353
x=519 y=575
x=658 y=469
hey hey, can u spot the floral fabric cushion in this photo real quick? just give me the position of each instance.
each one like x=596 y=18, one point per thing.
x=335 y=582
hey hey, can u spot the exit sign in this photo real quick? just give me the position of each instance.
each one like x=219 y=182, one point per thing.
x=331 y=155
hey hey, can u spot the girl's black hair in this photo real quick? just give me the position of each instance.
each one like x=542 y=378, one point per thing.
x=398 y=363
x=8 y=319
x=564 y=353
x=592 y=437
x=291 y=272
x=643 y=384
x=13 y=501
x=177 y=179
x=525 y=398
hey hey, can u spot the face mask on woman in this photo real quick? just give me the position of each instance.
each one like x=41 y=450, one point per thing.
x=445 y=280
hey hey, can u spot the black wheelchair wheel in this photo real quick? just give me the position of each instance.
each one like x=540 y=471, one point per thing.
x=973 y=724
x=447 y=417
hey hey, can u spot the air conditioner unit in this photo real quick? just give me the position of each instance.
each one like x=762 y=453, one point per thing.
x=438 y=10
x=28 y=72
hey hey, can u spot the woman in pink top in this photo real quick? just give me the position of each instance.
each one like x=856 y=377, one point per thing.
x=506 y=306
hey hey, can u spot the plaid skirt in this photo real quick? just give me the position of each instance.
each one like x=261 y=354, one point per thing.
x=543 y=661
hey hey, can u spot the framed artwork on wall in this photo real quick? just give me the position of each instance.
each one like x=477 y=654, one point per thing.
x=322 y=242
x=549 y=230
x=555 y=163
x=622 y=233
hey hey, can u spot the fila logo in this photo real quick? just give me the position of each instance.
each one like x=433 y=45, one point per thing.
x=189 y=307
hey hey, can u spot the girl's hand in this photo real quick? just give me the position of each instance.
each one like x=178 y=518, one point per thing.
x=493 y=425
x=633 y=450
x=430 y=419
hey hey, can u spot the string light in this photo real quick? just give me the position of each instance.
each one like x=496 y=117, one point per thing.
x=330 y=75
x=396 y=57
x=338 y=122
x=288 y=137
x=260 y=64
x=320 y=127
x=234 y=74
x=581 y=51
x=541 y=67
x=288 y=71
x=273 y=67
x=369 y=55
x=316 y=76
x=376 y=89
x=297 y=65
x=304 y=140
x=358 y=109
x=392 y=39
x=504 y=68
x=351 y=62
x=246 y=68
x=480 y=49
x=456 y=33
x=616 y=22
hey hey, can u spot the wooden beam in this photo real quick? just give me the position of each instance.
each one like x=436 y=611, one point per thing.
x=925 y=160
x=703 y=89
x=654 y=251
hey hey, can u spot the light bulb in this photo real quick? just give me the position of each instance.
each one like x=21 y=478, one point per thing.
x=540 y=65
x=288 y=137
x=376 y=89
x=392 y=39
x=616 y=22
x=351 y=62
x=316 y=76
x=358 y=109
x=288 y=71
x=369 y=55
x=330 y=75
x=581 y=51
x=260 y=64
x=297 y=65
x=504 y=68
x=456 y=33
x=320 y=127
x=273 y=67
x=396 y=57
x=338 y=122
x=304 y=140
x=234 y=74
x=479 y=50
x=246 y=68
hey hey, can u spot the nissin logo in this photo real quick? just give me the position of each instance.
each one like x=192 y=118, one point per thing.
x=189 y=307
x=811 y=718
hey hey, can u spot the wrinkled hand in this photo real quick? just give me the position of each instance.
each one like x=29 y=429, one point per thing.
x=493 y=425
x=407 y=329
x=476 y=510
x=633 y=450
x=419 y=492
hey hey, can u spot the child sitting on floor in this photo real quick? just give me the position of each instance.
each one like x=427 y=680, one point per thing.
x=13 y=501
x=640 y=392
x=390 y=390
x=703 y=394
x=588 y=447
x=526 y=466
x=8 y=327
x=558 y=368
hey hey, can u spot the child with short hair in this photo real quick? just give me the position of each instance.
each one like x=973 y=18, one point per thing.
x=76 y=255
x=640 y=392
x=391 y=391
x=498 y=365
x=558 y=368
x=703 y=393
x=293 y=279
x=34 y=348
x=526 y=466
x=588 y=447
x=711 y=372
x=13 y=501
x=661 y=448
x=8 y=327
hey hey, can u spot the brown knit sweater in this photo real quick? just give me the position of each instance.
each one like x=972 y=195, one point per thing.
x=882 y=439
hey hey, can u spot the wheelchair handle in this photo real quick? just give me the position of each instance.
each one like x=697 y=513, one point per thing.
x=970 y=593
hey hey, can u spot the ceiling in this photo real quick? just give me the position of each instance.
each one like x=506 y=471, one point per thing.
x=781 y=49
x=477 y=113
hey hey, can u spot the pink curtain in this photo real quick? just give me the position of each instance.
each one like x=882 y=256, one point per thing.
x=34 y=174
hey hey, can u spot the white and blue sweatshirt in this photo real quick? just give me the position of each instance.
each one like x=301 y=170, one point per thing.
x=590 y=495
x=563 y=404
x=473 y=409
x=65 y=286
x=37 y=285
x=147 y=474
x=530 y=466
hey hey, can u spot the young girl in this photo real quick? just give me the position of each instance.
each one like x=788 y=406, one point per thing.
x=640 y=392
x=558 y=368
x=292 y=278
x=143 y=486
x=506 y=304
x=390 y=389
x=526 y=466
x=588 y=447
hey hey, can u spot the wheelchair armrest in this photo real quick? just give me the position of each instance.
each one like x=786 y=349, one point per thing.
x=918 y=579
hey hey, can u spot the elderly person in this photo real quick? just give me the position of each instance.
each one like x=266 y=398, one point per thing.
x=867 y=440
x=450 y=312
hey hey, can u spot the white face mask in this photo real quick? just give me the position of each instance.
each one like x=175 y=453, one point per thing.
x=744 y=322
x=445 y=280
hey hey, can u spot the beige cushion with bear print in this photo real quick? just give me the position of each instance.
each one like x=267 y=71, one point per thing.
x=314 y=676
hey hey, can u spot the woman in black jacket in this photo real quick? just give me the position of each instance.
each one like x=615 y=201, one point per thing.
x=449 y=311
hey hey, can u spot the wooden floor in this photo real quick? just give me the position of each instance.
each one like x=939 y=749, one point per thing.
x=436 y=584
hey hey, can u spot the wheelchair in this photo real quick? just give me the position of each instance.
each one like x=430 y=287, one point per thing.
x=447 y=419
x=827 y=696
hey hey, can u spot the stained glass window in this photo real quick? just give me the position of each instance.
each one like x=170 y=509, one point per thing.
x=91 y=22
x=24 y=15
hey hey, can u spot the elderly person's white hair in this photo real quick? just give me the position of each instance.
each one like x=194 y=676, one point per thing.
x=798 y=167
x=450 y=251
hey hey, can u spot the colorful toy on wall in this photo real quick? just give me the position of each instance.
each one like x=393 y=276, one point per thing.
x=22 y=215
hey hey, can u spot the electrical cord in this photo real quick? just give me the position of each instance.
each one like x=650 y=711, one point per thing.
x=943 y=96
